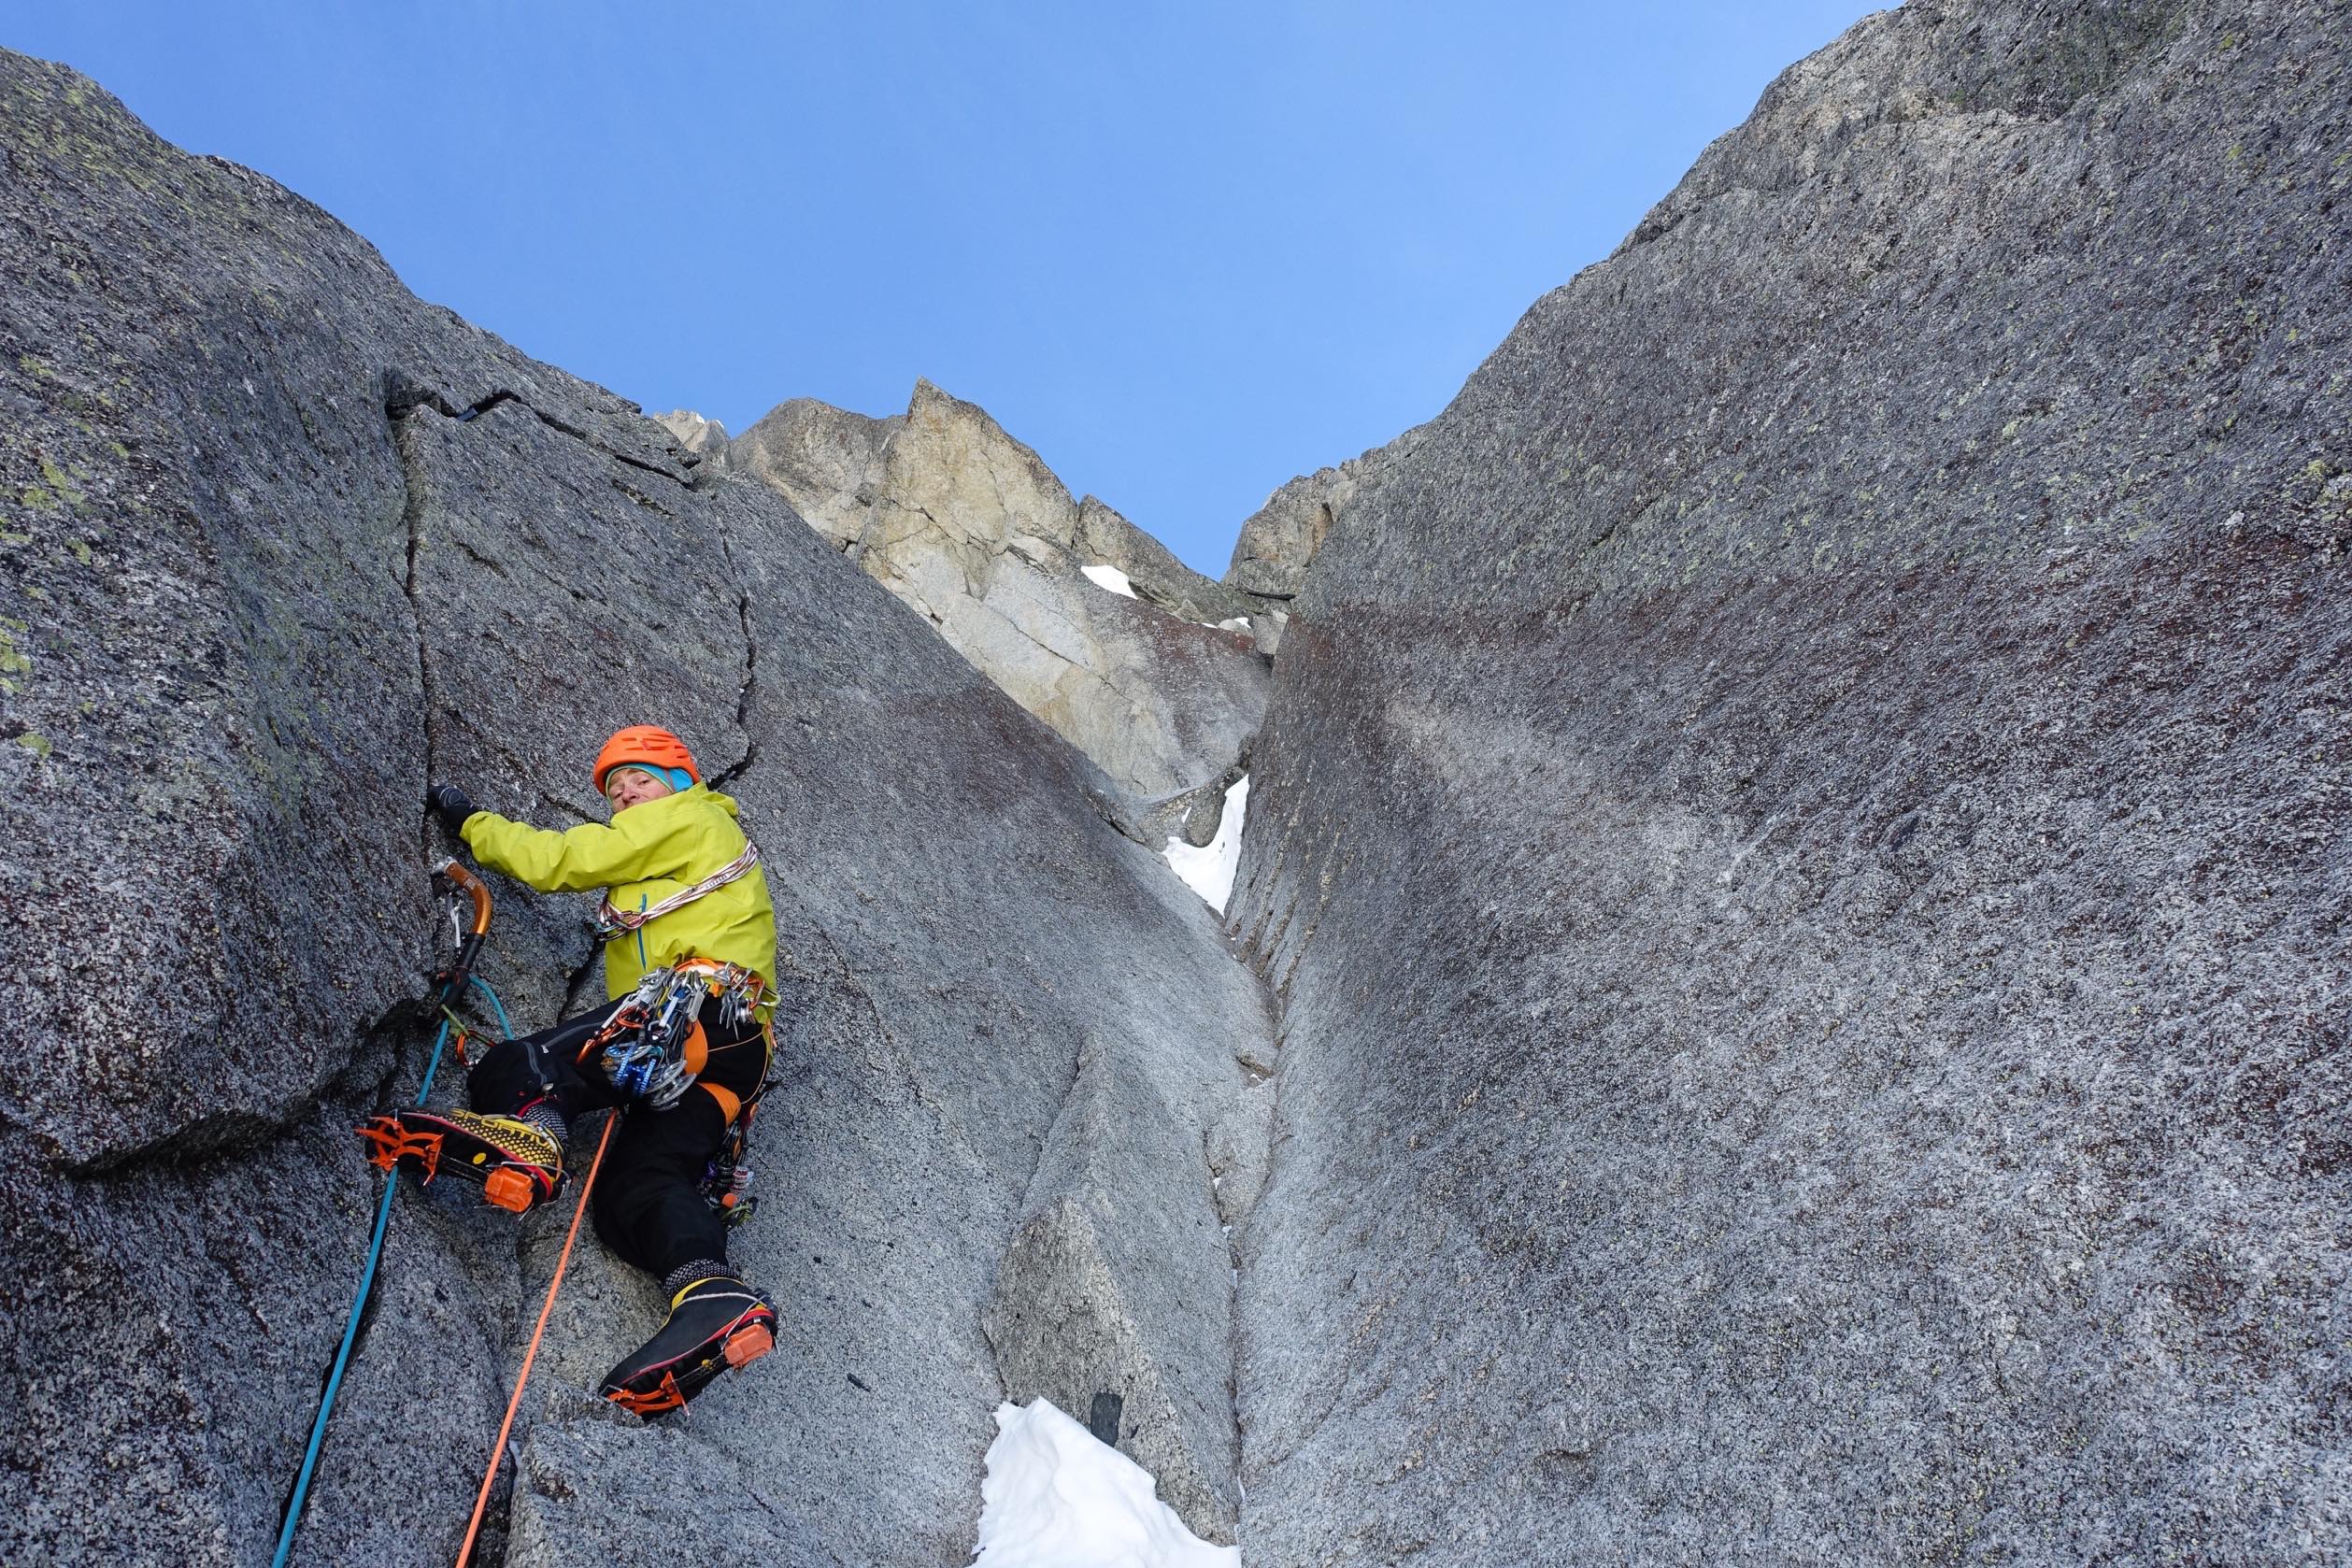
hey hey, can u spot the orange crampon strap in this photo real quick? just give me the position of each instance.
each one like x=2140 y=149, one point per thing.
x=661 y=1400
x=388 y=1143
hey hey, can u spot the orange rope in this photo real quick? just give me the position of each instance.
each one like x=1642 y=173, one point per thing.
x=498 y=1449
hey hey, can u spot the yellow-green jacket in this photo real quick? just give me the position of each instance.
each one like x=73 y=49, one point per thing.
x=644 y=855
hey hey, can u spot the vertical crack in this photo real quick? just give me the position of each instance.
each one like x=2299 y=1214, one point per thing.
x=403 y=400
x=412 y=520
x=743 y=695
x=1232 y=1326
x=1279 y=1033
x=742 y=765
x=490 y=1546
x=391 y=1024
x=997 y=1352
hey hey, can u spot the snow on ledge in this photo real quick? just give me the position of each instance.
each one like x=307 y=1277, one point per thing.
x=1055 y=1497
x=1102 y=576
x=1210 y=872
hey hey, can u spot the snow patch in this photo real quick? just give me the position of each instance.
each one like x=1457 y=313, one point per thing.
x=1210 y=872
x=1102 y=576
x=1232 y=623
x=1055 y=1497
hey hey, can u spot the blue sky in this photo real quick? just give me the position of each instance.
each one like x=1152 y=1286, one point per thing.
x=1184 y=251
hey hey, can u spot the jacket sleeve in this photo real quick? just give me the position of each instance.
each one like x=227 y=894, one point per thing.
x=592 y=855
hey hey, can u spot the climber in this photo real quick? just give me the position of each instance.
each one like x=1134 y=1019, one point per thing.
x=682 y=1045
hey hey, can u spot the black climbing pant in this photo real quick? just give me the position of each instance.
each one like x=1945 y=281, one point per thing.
x=648 y=1205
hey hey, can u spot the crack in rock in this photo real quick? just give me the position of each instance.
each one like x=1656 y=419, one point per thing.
x=404 y=395
x=742 y=765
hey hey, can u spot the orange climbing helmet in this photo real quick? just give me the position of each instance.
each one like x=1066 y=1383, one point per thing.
x=645 y=745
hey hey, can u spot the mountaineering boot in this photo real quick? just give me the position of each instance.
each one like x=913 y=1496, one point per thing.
x=716 y=1321
x=518 y=1166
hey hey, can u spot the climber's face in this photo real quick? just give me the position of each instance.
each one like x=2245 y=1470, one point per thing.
x=628 y=787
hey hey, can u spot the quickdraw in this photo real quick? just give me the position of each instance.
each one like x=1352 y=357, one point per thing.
x=612 y=921
x=740 y=992
x=646 y=1046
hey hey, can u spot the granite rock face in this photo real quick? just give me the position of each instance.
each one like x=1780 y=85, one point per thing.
x=1801 y=839
x=1278 y=540
x=827 y=461
x=279 y=544
x=970 y=528
x=1156 y=575
x=1799 y=843
x=1089 y=1314
x=697 y=436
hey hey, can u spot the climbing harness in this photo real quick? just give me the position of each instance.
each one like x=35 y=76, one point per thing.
x=453 y=980
x=611 y=921
x=654 y=1047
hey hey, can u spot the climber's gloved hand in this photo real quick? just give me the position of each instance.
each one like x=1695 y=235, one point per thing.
x=452 y=804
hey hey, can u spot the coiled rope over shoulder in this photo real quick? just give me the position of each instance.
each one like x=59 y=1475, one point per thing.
x=611 y=921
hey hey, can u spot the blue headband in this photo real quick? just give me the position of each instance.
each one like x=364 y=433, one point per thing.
x=679 y=779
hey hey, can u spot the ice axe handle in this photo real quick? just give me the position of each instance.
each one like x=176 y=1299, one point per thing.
x=478 y=890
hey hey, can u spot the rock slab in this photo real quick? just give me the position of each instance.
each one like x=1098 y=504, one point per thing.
x=1801 y=840
x=1089 y=1312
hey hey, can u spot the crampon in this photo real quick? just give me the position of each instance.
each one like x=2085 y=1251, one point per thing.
x=714 y=1324
x=517 y=1166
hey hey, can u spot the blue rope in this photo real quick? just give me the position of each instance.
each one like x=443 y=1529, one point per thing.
x=504 y=1027
x=367 y=1284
